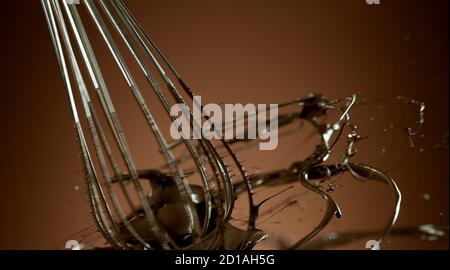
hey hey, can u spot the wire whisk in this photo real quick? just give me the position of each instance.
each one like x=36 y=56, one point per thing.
x=145 y=225
x=171 y=207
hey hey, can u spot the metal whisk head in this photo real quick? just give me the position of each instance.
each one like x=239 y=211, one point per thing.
x=138 y=208
x=186 y=202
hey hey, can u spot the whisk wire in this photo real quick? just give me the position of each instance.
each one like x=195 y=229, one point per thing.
x=130 y=32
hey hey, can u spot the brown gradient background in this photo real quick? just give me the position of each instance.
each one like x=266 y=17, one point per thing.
x=238 y=51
